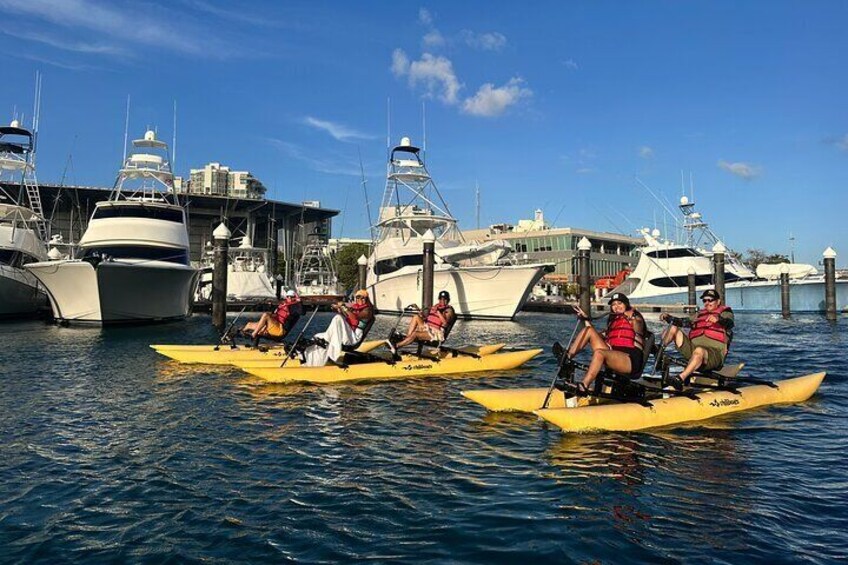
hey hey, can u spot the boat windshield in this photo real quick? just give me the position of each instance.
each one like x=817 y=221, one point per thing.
x=167 y=254
x=150 y=212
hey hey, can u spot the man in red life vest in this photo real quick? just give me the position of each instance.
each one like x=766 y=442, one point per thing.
x=428 y=325
x=348 y=327
x=619 y=346
x=277 y=324
x=709 y=337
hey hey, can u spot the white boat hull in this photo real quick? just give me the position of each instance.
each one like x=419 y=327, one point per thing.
x=492 y=292
x=117 y=291
x=20 y=294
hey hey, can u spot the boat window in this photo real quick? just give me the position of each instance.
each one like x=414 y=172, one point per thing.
x=673 y=253
x=387 y=266
x=682 y=281
x=168 y=254
x=10 y=257
x=151 y=212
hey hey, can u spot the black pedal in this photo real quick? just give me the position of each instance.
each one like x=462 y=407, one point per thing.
x=558 y=350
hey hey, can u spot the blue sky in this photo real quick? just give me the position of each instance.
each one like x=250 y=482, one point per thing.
x=560 y=106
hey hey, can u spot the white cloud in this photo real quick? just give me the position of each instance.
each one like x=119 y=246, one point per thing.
x=746 y=171
x=338 y=131
x=74 y=46
x=331 y=166
x=400 y=63
x=435 y=74
x=492 y=41
x=433 y=39
x=149 y=26
x=424 y=16
x=571 y=64
x=646 y=152
x=490 y=101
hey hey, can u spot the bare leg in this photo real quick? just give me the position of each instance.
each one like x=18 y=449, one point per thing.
x=699 y=355
x=670 y=335
x=262 y=325
x=417 y=330
x=617 y=361
x=587 y=335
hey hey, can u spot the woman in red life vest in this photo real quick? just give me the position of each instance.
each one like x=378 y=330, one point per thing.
x=619 y=347
x=346 y=328
x=428 y=325
x=709 y=337
x=277 y=324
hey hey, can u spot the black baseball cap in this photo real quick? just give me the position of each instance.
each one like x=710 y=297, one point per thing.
x=444 y=294
x=710 y=293
x=621 y=297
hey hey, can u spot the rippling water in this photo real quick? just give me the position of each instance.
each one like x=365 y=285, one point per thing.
x=112 y=453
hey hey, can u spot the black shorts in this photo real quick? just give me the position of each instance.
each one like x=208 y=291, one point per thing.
x=635 y=359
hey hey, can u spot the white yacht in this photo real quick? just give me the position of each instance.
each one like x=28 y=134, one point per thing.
x=316 y=280
x=22 y=228
x=133 y=259
x=248 y=277
x=661 y=275
x=479 y=277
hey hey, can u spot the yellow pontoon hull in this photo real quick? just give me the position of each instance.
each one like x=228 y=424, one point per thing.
x=226 y=355
x=409 y=366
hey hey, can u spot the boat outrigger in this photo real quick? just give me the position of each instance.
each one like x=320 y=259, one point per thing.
x=617 y=403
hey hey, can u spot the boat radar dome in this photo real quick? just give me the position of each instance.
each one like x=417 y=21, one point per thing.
x=405 y=142
x=655 y=232
x=54 y=254
x=15 y=124
x=150 y=135
x=684 y=201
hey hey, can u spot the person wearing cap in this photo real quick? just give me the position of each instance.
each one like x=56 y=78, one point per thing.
x=428 y=325
x=619 y=347
x=347 y=327
x=277 y=324
x=711 y=330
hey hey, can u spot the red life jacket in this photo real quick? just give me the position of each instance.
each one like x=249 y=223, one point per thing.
x=283 y=311
x=353 y=318
x=620 y=332
x=433 y=318
x=713 y=331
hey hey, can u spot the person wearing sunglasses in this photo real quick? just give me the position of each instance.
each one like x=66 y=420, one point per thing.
x=348 y=327
x=710 y=333
x=428 y=325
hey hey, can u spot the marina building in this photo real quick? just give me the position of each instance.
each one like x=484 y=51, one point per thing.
x=270 y=224
x=217 y=179
x=536 y=242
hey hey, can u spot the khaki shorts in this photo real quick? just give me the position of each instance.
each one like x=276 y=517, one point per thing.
x=275 y=329
x=716 y=351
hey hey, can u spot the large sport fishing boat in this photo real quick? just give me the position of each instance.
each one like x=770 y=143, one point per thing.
x=661 y=275
x=248 y=277
x=22 y=227
x=133 y=259
x=316 y=281
x=479 y=277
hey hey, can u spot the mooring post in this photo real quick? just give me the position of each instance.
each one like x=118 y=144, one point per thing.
x=427 y=274
x=784 y=291
x=362 y=263
x=279 y=282
x=692 y=297
x=584 y=247
x=830 y=283
x=221 y=243
x=718 y=269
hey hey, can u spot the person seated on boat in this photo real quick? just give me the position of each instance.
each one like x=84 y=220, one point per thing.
x=709 y=337
x=276 y=324
x=346 y=328
x=619 y=346
x=428 y=325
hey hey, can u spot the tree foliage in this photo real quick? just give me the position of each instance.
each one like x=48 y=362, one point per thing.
x=344 y=262
x=756 y=257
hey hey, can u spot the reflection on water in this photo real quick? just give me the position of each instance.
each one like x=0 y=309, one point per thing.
x=113 y=453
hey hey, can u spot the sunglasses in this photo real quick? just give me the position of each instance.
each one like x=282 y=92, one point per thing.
x=708 y=300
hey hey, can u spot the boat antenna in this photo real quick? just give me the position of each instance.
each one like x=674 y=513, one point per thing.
x=364 y=183
x=477 y=202
x=36 y=111
x=70 y=162
x=791 y=247
x=691 y=187
x=424 y=131
x=174 y=142
x=388 y=127
x=126 y=130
